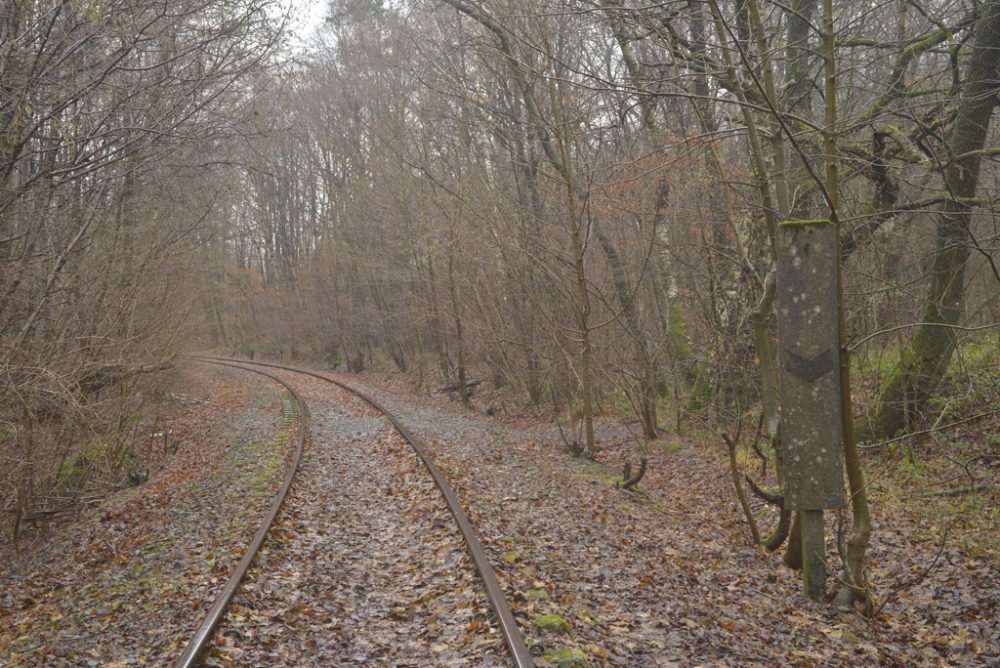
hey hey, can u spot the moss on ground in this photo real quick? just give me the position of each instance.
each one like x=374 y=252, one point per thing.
x=568 y=658
x=552 y=623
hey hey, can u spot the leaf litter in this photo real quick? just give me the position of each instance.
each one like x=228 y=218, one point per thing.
x=665 y=576
x=365 y=565
x=122 y=585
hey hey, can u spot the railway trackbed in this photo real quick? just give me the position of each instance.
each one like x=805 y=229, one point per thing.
x=364 y=564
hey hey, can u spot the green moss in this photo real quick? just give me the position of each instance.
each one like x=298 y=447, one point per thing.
x=702 y=390
x=974 y=354
x=568 y=658
x=678 y=337
x=804 y=223
x=931 y=40
x=667 y=511
x=620 y=402
x=537 y=594
x=669 y=446
x=875 y=361
x=595 y=472
x=553 y=623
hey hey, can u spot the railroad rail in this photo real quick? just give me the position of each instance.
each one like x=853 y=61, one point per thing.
x=203 y=634
x=508 y=627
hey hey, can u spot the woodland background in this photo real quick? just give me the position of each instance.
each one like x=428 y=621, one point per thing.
x=563 y=206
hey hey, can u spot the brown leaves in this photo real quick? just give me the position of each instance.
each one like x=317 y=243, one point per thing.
x=123 y=586
x=665 y=579
x=366 y=565
x=366 y=568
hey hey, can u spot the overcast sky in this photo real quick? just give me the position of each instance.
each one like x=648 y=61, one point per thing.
x=307 y=15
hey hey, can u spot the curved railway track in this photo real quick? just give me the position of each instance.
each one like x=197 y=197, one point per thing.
x=509 y=630
x=203 y=634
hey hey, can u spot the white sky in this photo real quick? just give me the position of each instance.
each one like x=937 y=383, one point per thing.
x=306 y=17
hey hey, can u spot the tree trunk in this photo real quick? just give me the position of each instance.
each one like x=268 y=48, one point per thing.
x=626 y=299
x=463 y=386
x=437 y=324
x=799 y=100
x=926 y=359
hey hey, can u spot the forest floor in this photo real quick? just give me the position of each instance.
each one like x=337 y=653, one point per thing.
x=667 y=576
x=365 y=565
x=664 y=576
x=119 y=583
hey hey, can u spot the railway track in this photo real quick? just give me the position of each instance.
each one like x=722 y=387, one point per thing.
x=203 y=634
x=509 y=631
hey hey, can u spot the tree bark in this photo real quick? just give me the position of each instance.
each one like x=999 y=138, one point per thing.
x=926 y=359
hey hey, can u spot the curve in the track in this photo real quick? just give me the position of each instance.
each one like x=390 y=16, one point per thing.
x=509 y=629
x=203 y=634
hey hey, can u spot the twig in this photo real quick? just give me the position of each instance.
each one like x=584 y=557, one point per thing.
x=469 y=385
x=770 y=497
x=957 y=491
x=740 y=494
x=871 y=336
x=914 y=580
x=930 y=431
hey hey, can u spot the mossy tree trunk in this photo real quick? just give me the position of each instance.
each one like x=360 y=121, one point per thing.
x=926 y=359
x=861 y=526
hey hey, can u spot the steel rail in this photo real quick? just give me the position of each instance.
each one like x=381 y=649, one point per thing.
x=203 y=635
x=509 y=629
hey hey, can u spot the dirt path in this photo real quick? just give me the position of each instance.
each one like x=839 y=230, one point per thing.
x=366 y=567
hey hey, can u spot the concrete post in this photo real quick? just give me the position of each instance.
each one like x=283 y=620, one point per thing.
x=812 y=450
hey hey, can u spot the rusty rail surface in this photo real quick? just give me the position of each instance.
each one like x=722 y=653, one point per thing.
x=509 y=629
x=199 y=641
